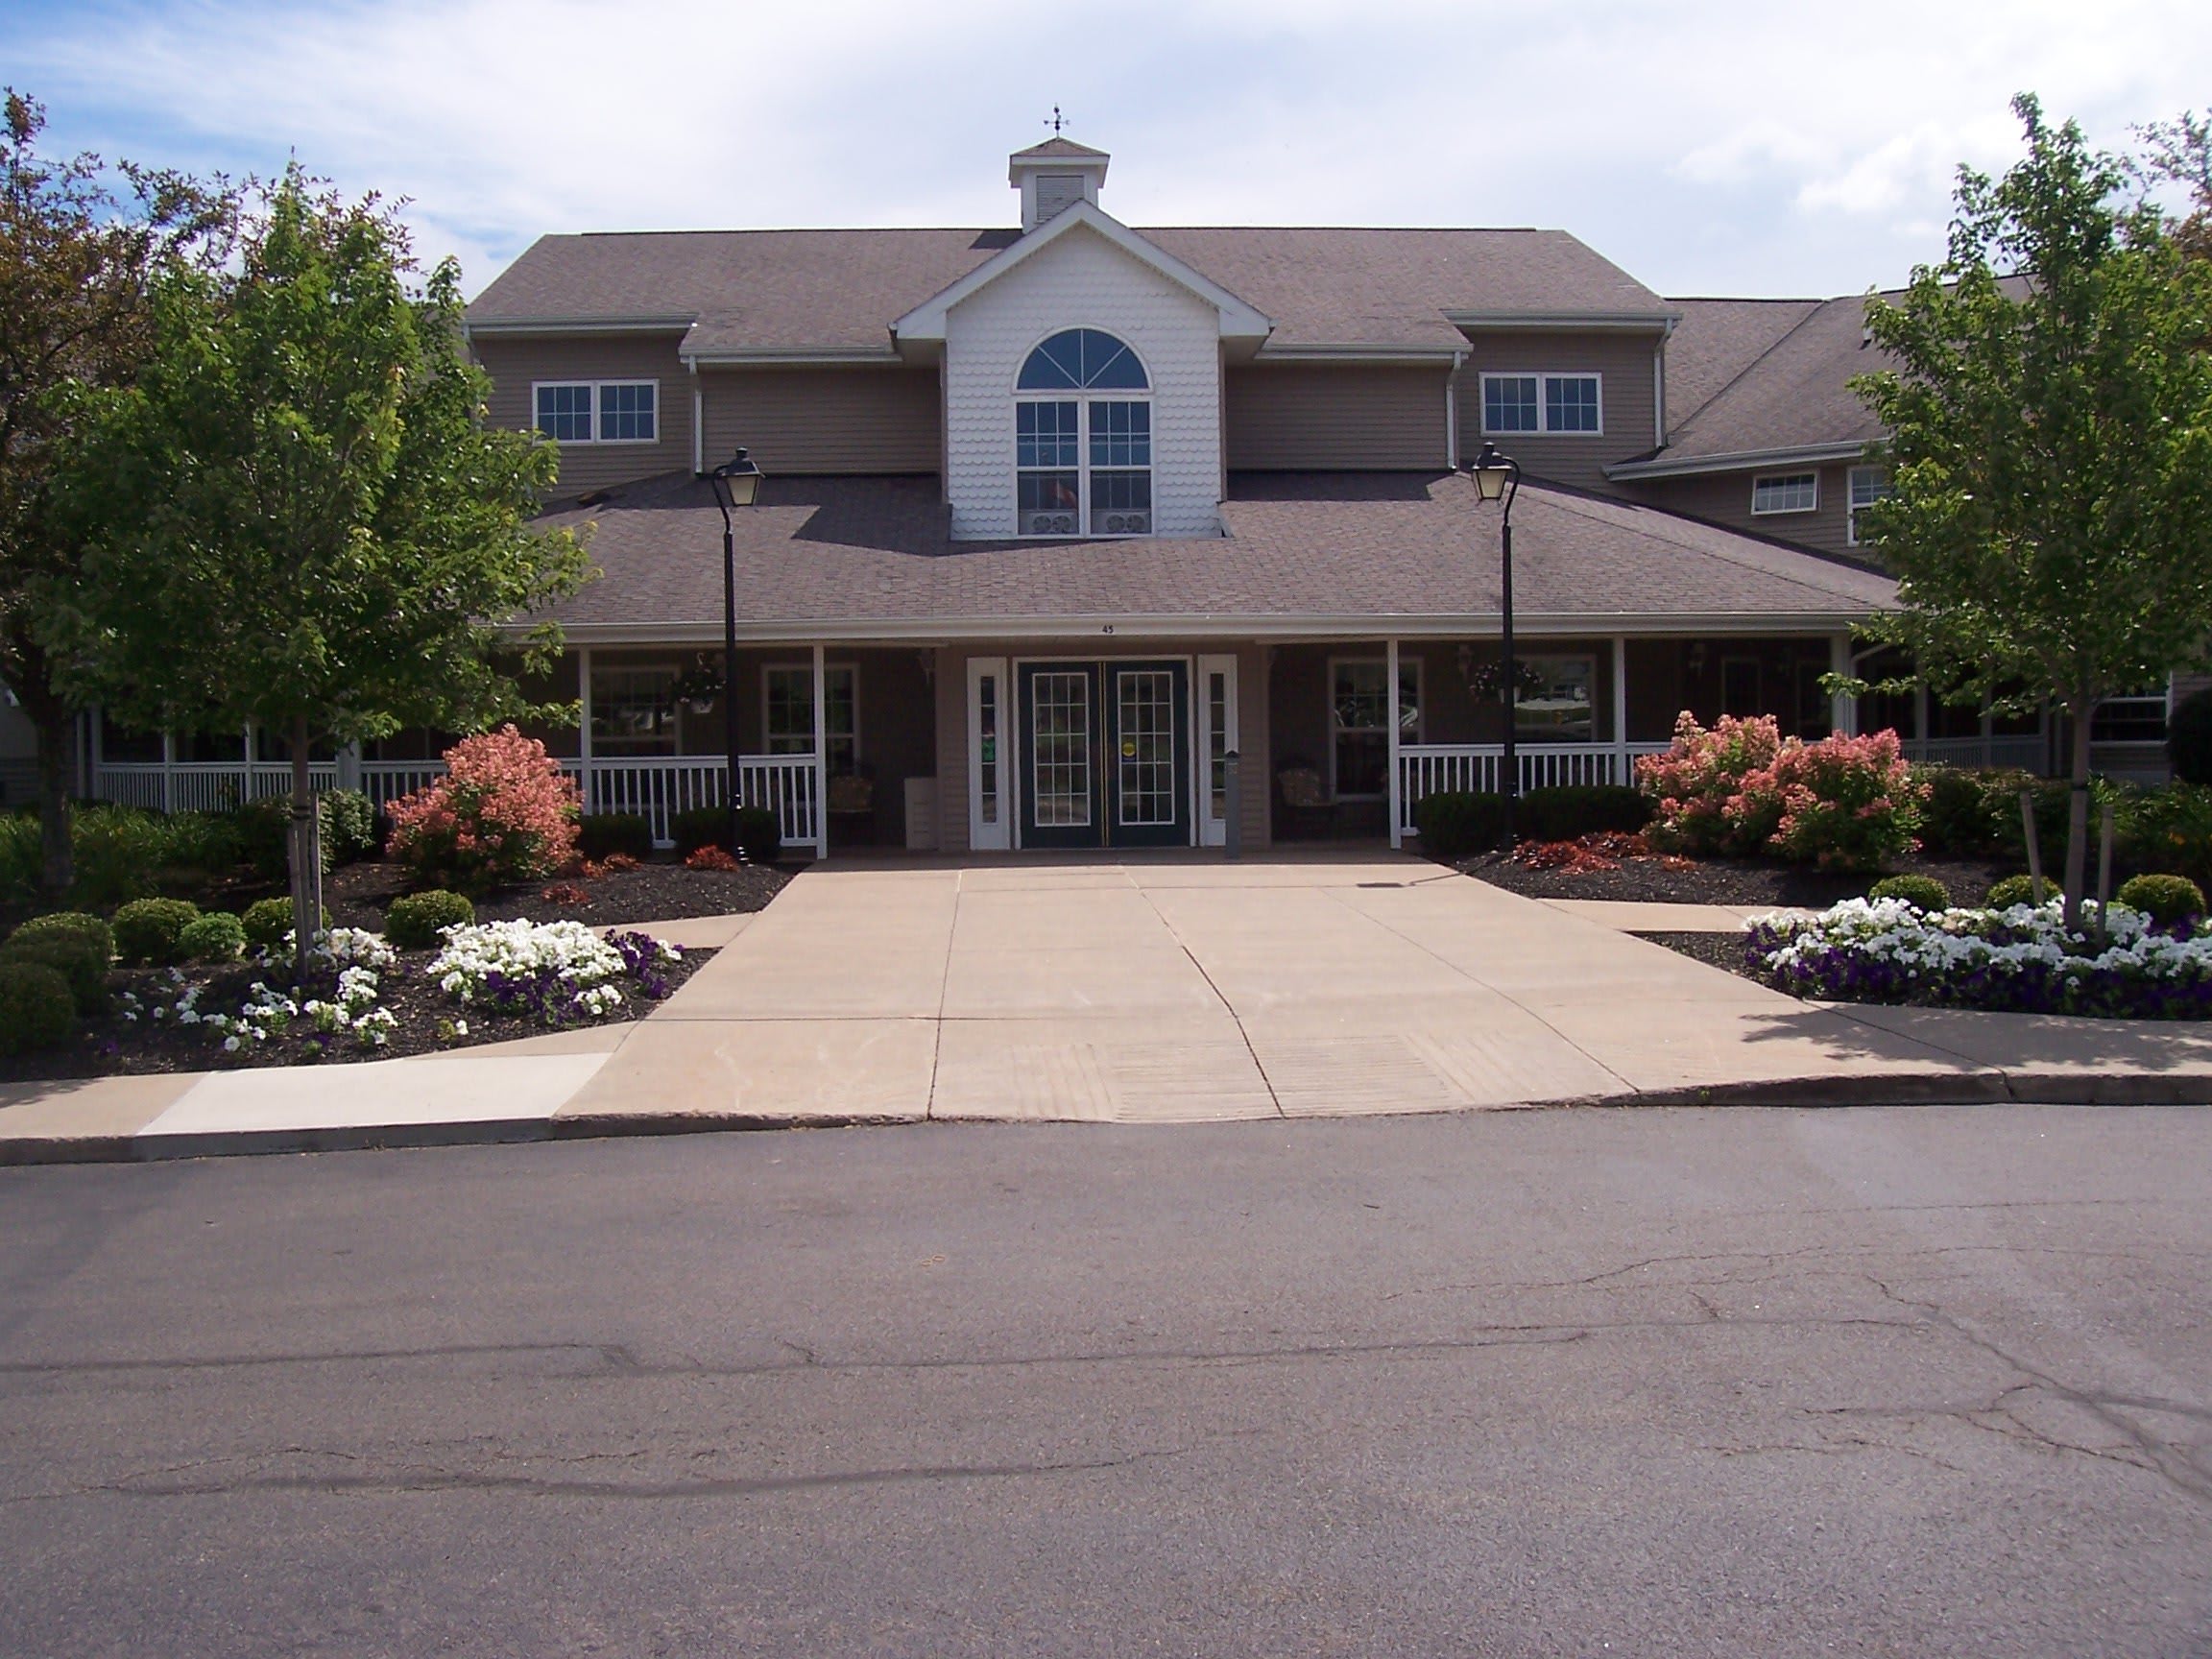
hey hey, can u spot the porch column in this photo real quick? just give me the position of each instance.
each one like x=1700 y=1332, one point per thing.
x=1623 y=770
x=350 y=766
x=1392 y=789
x=1920 y=719
x=821 y=754
x=584 y=732
x=168 y=771
x=1842 y=712
x=94 y=719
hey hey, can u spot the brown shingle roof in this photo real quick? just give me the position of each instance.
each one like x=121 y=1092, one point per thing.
x=1716 y=341
x=1794 y=394
x=850 y=557
x=796 y=290
x=1057 y=148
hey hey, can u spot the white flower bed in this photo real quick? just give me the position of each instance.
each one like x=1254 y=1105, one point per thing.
x=558 y=971
x=2020 y=958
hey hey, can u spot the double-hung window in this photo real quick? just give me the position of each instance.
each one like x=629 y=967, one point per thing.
x=1785 y=493
x=1082 y=440
x=788 y=704
x=599 y=411
x=1568 y=405
x=1869 y=485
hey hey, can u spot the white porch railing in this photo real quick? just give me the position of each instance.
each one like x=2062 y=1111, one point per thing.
x=654 y=787
x=201 y=786
x=2023 y=751
x=1427 y=769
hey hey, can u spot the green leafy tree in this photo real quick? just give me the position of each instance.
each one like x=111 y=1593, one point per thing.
x=2179 y=152
x=303 y=520
x=2051 y=448
x=81 y=245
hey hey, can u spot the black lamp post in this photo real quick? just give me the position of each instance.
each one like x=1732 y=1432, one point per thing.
x=737 y=483
x=1498 y=477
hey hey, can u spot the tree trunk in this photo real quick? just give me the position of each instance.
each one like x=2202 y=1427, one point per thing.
x=58 y=858
x=2077 y=811
x=306 y=856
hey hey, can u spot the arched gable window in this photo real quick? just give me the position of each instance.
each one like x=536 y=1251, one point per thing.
x=1083 y=445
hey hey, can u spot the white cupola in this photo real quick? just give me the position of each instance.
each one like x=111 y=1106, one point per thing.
x=1054 y=176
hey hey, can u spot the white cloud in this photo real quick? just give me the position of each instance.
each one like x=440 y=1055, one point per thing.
x=1731 y=145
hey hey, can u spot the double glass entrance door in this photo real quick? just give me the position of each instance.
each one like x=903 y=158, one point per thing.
x=1106 y=754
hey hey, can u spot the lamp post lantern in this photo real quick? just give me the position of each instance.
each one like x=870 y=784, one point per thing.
x=737 y=483
x=1498 y=478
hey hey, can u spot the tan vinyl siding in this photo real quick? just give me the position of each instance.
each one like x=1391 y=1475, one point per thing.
x=1296 y=416
x=812 y=421
x=1725 y=498
x=1625 y=362
x=517 y=364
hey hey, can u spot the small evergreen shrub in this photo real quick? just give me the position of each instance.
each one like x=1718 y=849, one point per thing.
x=503 y=813
x=1921 y=892
x=2169 y=830
x=78 y=959
x=699 y=827
x=264 y=832
x=80 y=924
x=215 y=937
x=2189 y=738
x=2015 y=889
x=1566 y=812
x=349 y=826
x=2164 y=898
x=267 y=921
x=148 y=930
x=758 y=837
x=122 y=854
x=1958 y=819
x=415 y=921
x=600 y=834
x=36 y=1010
x=1456 y=824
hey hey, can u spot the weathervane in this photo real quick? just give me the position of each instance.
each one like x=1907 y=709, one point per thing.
x=1058 y=120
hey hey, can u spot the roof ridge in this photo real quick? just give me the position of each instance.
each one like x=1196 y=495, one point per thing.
x=1790 y=547
x=1736 y=379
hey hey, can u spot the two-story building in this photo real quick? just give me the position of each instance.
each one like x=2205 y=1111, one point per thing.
x=1057 y=518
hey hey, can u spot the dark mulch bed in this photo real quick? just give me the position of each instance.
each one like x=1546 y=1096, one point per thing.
x=115 y=1046
x=356 y=894
x=1729 y=881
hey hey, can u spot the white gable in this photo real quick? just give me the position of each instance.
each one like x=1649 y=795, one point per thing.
x=1083 y=280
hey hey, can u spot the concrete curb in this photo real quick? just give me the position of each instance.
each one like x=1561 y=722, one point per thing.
x=1944 y=1089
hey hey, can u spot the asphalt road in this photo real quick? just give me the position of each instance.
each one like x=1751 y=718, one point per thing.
x=1915 y=1382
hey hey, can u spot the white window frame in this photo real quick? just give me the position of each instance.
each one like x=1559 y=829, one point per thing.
x=1084 y=401
x=1761 y=478
x=996 y=833
x=1544 y=425
x=599 y=408
x=807 y=671
x=1878 y=477
x=1420 y=714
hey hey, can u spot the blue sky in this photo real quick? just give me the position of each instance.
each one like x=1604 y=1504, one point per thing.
x=1708 y=146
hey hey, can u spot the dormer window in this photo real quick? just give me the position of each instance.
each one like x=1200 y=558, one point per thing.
x=1082 y=445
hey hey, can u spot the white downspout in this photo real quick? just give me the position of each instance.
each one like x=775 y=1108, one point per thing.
x=1451 y=411
x=698 y=421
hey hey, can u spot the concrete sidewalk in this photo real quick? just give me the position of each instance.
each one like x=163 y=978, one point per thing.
x=1173 y=990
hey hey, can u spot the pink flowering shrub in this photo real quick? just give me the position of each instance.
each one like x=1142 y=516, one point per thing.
x=1846 y=803
x=1697 y=788
x=503 y=813
x=1742 y=789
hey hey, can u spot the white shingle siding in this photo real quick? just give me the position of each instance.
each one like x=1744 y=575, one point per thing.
x=1083 y=281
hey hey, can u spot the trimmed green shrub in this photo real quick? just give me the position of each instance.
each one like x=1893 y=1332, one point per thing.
x=124 y=853
x=1565 y=811
x=263 y=828
x=36 y=1010
x=77 y=958
x=215 y=937
x=148 y=929
x=2164 y=898
x=22 y=858
x=267 y=921
x=1922 y=892
x=2189 y=738
x=2015 y=889
x=699 y=827
x=348 y=825
x=1960 y=817
x=78 y=924
x=1456 y=824
x=2169 y=831
x=758 y=835
x=411 y=923
x=600 y=833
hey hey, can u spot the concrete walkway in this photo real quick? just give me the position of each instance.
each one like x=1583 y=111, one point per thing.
x=1170 y=991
